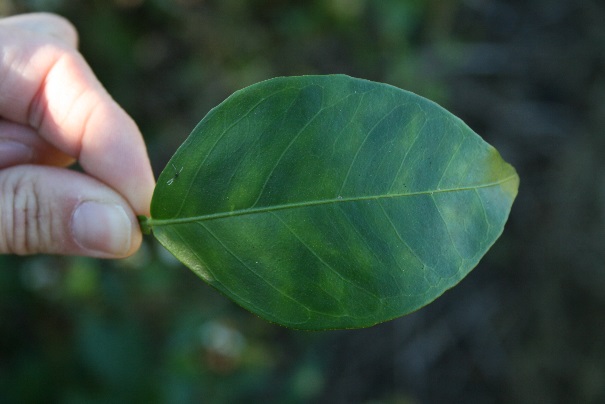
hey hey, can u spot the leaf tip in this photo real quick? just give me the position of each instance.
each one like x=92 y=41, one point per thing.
x=510 y=184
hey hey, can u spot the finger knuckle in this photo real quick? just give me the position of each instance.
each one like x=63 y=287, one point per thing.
x=21 y=220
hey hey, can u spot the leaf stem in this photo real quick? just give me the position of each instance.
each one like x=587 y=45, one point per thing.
x=145 y=224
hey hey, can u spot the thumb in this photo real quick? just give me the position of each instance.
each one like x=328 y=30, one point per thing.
x=57 y=211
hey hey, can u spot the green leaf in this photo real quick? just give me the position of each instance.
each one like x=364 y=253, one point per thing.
x=322 y=202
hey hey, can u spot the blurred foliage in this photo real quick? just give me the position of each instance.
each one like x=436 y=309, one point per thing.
x=526 y=326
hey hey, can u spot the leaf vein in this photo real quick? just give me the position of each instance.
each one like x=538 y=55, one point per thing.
x=449 y=233
x=407 y=152
x=399 y=235
x=354 y=160
x=218 y=139
x=262 y=190
x=245 y=265
x=322 y=260
x=376 y=256
x=263 y=209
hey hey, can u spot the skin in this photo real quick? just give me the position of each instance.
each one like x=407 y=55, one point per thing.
x=53 y=112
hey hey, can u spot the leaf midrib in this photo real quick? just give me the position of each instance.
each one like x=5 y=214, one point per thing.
x=250 y=211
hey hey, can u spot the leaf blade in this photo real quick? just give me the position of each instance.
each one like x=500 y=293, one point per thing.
x=332 y=202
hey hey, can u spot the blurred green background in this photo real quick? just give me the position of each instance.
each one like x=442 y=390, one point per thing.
x=526 y=326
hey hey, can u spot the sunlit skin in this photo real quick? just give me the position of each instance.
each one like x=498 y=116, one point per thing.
x=53 y=112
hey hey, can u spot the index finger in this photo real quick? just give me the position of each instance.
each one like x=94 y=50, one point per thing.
x=46 y=84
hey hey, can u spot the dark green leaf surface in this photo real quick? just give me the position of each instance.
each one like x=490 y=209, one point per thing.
x=323 y=202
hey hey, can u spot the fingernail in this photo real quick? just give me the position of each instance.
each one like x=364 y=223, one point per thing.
x=13 y=153
x=101 y=227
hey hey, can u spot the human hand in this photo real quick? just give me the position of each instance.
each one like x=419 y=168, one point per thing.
x=53 y=111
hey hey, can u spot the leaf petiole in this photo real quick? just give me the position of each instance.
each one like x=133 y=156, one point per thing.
x=144 y=223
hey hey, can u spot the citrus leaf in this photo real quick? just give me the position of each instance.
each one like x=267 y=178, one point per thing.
x=322 y=202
